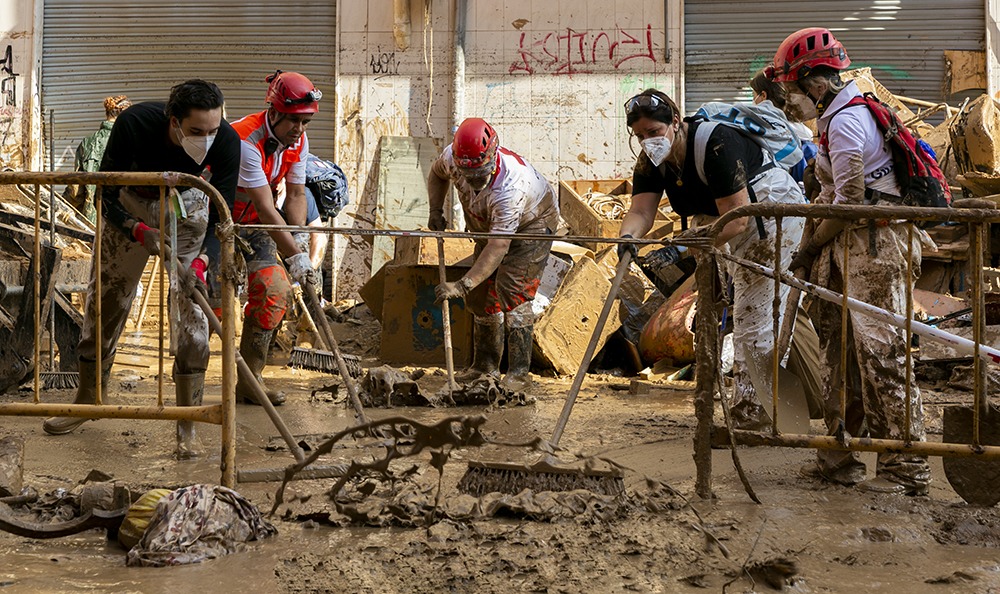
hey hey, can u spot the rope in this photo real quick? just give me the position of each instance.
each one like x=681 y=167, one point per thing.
x=610 y=206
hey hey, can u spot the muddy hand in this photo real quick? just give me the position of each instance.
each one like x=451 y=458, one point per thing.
x=436 y=222
x=301 y=271
x=446 y=290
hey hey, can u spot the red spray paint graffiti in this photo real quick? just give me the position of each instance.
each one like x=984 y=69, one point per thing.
x=575 y=52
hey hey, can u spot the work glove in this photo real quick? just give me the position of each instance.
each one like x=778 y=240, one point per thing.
x=804 y=258
x=436 y=221
x=663 y=257
x=198 y=266
x=301 y=271
x=456 y=290
x=628 y=247
x=148 y=237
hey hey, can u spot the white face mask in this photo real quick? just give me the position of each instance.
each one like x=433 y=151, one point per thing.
x=800 y=108
x=196 y=147
x=656 y=148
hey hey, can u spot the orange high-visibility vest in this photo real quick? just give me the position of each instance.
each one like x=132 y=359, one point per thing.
x=253 y=129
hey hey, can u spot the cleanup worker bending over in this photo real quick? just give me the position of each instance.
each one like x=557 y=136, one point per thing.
x=500 y=193
x=274 y=148
x=187 y=135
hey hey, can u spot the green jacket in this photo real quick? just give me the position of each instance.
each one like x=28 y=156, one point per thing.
x=88 y=158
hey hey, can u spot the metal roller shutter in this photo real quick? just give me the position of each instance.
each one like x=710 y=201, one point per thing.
x=901 y=40
x=96 y=48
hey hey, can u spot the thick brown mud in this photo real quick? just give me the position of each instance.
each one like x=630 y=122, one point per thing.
x=807 y=535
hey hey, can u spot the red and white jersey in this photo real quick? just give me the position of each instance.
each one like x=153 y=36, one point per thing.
x=517 y=198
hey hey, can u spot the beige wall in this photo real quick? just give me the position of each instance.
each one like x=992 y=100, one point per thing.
x=19 y=76
x=551 y=76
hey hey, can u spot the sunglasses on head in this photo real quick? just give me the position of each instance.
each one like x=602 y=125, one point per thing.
x=311 y=97
x=649 y=102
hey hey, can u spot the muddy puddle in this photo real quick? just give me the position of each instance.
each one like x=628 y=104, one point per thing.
x=810 y=536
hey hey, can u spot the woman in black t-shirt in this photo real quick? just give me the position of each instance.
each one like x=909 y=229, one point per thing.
x=735 y=168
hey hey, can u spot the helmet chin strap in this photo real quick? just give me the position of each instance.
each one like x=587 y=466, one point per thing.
x=825 y=101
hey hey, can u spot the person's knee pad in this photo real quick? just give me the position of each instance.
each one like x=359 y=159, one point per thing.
x=268 y=293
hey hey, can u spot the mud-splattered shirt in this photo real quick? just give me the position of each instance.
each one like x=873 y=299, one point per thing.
x=851 y=146
x=729 y=155
x=140 y=142
x=518 y=198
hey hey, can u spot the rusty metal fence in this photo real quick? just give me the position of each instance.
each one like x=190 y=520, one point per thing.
x=223 y=414
x=978 y=214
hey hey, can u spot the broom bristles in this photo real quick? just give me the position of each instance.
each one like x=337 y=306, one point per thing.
x=481 y=479
x=325 y=361
x=60 y=380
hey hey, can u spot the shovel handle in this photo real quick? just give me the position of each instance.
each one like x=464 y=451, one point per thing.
x=574 y=390
x=788 y=321
x=331 y=341
x=449 y=354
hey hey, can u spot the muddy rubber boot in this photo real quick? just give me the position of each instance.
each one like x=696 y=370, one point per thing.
x=520 y=326
x=190 y=390
x=86 y=393
x=254 y=345
x=487 y=349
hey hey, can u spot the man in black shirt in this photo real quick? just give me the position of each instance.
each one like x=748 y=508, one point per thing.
x=186 y=135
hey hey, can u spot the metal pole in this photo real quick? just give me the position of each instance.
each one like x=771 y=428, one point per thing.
x=52 y=239
x=227 y=265
x=37 y=281
x=449 y=355
x=776 y=325
x=163 y=290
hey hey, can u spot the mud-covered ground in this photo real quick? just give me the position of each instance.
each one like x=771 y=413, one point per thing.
x=805 y=535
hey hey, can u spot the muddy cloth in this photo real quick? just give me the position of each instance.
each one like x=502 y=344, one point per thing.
x=198 y=523
x=876 y=374
x=123 y=263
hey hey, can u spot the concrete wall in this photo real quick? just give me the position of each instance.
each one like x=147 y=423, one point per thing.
x=550 y=75
x=20 y=49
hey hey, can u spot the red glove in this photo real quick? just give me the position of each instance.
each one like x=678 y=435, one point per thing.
x=199 y=267
x=147 y=236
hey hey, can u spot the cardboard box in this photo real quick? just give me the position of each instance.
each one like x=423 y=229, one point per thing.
x=584 y=220
x=423 y=250
x=412 y=330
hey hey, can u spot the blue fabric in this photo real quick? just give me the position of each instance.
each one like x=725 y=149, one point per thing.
x=312 y=211
x=809 y=151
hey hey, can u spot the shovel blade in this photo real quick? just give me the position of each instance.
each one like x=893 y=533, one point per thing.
x=975 y=481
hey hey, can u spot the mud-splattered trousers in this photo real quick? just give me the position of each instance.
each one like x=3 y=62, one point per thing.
x=516 y=280
x=122 y=264
x=753 y=294
x=876 y=362
x=876 y=352
x=268 y=288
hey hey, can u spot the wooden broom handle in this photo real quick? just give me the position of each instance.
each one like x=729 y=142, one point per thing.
x=591 y=347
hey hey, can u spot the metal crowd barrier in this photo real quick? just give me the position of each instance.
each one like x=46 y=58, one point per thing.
x=708 y=351
x=223 y=414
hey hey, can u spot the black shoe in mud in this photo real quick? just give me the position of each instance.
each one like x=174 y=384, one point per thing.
x=847 y=476
x=887 y=486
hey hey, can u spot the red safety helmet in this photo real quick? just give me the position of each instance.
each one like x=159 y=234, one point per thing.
x=803 y=51
x=475 y=145
x=291 y=92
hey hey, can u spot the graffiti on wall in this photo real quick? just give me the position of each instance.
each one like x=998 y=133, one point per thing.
x=582 y=52
x=8 y=82
x=383 y=62
x=10 y=152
